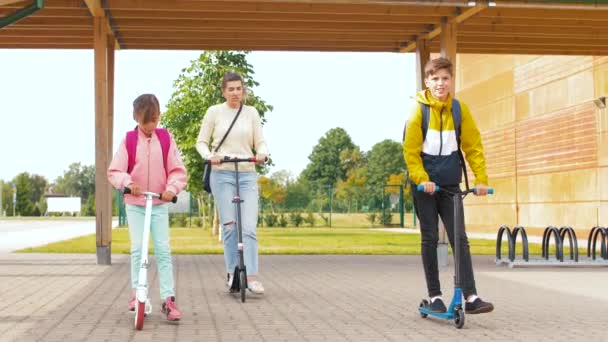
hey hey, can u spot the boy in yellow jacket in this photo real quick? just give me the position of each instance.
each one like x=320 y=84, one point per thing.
x=432 y=155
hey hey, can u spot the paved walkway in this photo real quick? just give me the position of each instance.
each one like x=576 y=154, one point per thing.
x=309 y=298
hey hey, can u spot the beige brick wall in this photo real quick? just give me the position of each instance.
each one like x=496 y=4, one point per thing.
x=546 y=142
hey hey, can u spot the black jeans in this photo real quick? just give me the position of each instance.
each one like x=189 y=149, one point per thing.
x=428 y=207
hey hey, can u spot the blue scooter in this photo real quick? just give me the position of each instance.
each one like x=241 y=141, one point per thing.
x=456 y=309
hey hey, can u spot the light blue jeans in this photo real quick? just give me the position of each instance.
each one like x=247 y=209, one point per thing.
x=159 y=232
x=223 y=187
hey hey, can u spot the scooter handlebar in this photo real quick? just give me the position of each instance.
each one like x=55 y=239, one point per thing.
x=420 y=187
x=127 y=190
x=234 y=160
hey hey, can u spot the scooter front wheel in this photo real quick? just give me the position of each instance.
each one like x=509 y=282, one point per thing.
x=459 y=318
x=140 y=312
x=243 y=280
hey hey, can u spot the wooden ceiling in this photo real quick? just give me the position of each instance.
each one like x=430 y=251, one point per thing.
x=511 y=27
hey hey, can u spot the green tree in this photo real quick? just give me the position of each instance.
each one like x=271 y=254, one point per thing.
x=325 y=167
x=7 y=198
x=297 y=194
x=78 y=181
x=384 y=159
x=30 y=191
x=196 y=89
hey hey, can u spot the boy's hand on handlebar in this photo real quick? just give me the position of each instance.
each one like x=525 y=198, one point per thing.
x=429 y=187
x=481 y=190
x=167 y=196
x=135 y=189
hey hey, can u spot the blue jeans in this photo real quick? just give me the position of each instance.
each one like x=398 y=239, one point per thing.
x=223 y=187
x=159 y=231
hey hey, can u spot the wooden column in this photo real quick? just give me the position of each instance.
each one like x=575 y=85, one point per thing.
x=111 y=58
x=423 y=55
x=448 y=43
x=103 y=199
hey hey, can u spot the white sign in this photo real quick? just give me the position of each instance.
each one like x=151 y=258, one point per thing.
x=63 y=204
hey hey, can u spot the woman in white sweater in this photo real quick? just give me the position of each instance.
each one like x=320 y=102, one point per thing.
x=244 y=138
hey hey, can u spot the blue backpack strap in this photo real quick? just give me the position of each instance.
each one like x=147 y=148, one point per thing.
x=426 y=114
x=457 y=117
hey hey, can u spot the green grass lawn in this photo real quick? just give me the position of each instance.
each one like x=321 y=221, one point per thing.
x=277 y=241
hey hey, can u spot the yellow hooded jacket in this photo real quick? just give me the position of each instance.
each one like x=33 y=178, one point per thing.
x=436 y=158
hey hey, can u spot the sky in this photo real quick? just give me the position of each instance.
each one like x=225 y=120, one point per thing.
x=47 y=116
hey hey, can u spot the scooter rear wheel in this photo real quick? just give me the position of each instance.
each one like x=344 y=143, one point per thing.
x=243 y=280
x=140 y=312
x=459 y=318
x=424 y=304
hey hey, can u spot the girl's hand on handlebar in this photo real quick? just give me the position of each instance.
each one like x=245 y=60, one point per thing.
x=481 y=190
x=135 y=189
x=167 y=196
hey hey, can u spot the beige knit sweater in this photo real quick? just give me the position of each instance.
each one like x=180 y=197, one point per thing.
x=245 y=136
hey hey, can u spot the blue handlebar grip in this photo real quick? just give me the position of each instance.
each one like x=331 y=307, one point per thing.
x=420 y=187
x=490 y=191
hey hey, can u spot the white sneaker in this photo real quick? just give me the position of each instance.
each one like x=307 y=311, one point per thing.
x=230 y=277
x=255 y=287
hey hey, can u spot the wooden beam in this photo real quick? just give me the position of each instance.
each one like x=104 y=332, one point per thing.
x=103 y=200
x=97 y=11
x=324 y=6
x=8 y=2
x=453 y=20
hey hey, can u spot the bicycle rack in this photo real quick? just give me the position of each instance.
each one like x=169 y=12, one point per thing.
x=559 y=236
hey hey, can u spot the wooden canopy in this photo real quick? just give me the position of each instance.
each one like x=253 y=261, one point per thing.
x=541 y=27
x=514 y=27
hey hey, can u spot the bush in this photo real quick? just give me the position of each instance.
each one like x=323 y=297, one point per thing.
x=177 y=221
x=296 y=218
x=310 y=219
x=325 y=218
x=197 y=222
x=387 y=217
x=271 y=219
x=282 y=220
x=372 y=218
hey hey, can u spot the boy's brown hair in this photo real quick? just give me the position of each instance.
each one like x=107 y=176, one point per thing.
x=146 y=108
x=437 y=64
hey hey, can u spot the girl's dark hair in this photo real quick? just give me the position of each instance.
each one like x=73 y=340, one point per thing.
x=146 y=108
x=437 y=64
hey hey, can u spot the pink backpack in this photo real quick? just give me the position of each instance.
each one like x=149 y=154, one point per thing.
x=131 y=142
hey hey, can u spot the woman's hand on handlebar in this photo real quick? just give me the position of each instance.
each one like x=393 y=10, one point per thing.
x=215 y=159
x=261 y=158
x=135 y=189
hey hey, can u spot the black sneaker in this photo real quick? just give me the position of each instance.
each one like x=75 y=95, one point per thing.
x=437 y=306
x=478 y=306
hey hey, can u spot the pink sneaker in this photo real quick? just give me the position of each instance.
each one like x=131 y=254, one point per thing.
x=170 y=309
x=132 y=302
